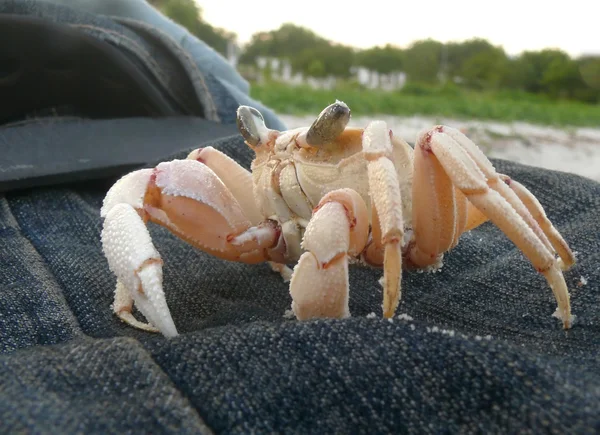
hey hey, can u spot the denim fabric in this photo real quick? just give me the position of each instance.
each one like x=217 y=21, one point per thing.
x=475 y=348
x=480 y=351
x=227 y=82
x=162 y=65
x=184 y=73
x=142 y=11
x=68 y=150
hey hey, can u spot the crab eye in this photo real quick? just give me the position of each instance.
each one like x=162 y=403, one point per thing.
x=251 y=125
x=329 y=125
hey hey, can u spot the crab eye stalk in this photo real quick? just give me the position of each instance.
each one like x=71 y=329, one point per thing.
x=251 y=125
x=329 y=125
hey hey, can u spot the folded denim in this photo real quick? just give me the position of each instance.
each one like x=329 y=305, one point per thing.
x=217 y=71
x=187 y=77
x=475 y=348
x=141 y=11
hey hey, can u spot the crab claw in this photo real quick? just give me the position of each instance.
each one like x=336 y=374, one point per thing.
x=188 y=198
x=251 y=125
x=138 y=267
x=329 y=124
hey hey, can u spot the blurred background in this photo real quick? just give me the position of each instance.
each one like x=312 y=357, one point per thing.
x=522 y=79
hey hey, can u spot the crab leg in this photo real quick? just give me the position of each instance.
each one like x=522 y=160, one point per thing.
x=567 y=259
x=384 y=189
x=189 y=199
x=474 y=216
x=437 y=211
x=339 y=227
x=444 y=154
x=526 y=205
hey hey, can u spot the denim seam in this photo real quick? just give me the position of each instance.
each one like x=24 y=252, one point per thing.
x=167 y=376
x=140 y=348
x=207 y=99
x=155 y=70
x=79 y=330
x=117 y=38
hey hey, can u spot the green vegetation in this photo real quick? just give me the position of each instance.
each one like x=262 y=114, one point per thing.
x=189 y=15
x=468 y=79
x=474 y=64
x=437 y=101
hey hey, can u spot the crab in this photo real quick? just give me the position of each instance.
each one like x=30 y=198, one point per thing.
x=322 y=197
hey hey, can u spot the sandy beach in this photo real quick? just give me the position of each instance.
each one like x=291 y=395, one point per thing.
x=568 y=149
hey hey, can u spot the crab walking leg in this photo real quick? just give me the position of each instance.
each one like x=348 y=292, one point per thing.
x=441 y=212
x=338 y=228
x=438 y=213
x=525 y=204
x=384 y=190
x=495 y=182
x=466 y=175
x=474 y=216
x=567 y=259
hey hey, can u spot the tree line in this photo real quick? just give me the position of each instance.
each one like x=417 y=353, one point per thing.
x=472 y=64
x=189 y=15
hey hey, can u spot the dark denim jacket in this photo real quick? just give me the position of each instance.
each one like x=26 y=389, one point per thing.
x=476 y=349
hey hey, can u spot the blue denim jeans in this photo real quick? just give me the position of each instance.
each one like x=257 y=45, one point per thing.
x=475 y=350
x=171 y=55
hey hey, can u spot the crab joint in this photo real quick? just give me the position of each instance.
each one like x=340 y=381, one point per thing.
x=265 y=234
x=356 y=214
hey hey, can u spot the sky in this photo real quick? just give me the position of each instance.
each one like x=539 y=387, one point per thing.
x=572 y=25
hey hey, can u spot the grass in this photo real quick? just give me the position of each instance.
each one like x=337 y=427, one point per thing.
x=431 y=101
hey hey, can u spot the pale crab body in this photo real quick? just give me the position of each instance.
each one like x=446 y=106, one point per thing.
x=290 y=180
x=321 y=197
